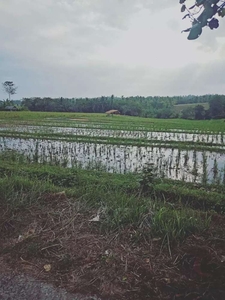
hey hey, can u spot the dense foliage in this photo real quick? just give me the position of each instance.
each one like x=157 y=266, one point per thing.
x=216 y=110
x=160 y=107
x=154 y=107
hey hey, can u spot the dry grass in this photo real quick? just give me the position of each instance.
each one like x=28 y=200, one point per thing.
x=56 y=242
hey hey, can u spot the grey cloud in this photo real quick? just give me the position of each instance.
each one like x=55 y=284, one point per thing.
x=197 y=79
x=160 y=5
x=46 y=29
x=96 y=78
x=208 y=41
x=173 y=24
x=48 y=48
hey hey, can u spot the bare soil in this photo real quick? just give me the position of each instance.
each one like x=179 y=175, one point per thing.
x=56 y=242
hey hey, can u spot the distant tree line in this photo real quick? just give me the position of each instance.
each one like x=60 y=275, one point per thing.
x=159 y=107
x=216 y=109
x=149 y=107
x=193 y=99
x=16 y=104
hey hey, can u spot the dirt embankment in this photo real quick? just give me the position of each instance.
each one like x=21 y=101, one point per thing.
x=56 y=243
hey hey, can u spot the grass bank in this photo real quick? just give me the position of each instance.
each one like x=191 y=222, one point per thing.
x=118 y=236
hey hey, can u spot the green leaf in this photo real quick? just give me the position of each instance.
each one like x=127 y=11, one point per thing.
x=207 y=13
x=193 y=6
x=183 y=7
x=199 y=2
x=195 y=32
x=213 y=1
x=186 y=30
x=187 y=15
x=221 y=13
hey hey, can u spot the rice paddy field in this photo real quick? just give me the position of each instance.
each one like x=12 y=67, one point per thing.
x=191 y=151
x=119 y=207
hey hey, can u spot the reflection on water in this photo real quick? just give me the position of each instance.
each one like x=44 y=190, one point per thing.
x=188 y=165
x=169 y=136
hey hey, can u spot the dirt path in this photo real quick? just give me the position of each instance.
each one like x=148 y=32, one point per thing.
x=22 y=287
x=18 y=286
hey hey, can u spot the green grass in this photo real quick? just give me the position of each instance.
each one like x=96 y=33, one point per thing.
x=21 y=192
x=165 y=209
x=115 y=122
x=198 y=197
x=177 y=224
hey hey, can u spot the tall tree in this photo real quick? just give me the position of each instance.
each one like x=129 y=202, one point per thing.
x=217 y=107
x=202 y=13
x=188 y=113
x=9 y=87
x=199 y=112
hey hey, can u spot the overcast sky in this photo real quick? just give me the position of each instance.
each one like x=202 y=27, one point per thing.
x=90 y=48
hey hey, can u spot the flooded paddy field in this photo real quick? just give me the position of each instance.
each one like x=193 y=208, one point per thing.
x=164 y=139
x=170 y=136
x=186 y=165
x=178 y=149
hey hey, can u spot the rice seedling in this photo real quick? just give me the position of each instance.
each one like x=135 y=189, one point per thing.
x=173 y=163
